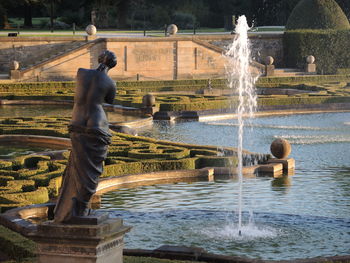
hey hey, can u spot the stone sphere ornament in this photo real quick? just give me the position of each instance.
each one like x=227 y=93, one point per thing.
x=280 y=148
x=172 y=29
x=91 y=30
x=310 y=59
x=269 y=60
x=148 y=100
x=14 y=65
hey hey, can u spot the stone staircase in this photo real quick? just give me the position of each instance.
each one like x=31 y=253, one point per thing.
x=4 y=76
x=48 y=54
x=290 y=72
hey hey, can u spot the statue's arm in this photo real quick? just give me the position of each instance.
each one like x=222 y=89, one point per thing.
x=111 y=94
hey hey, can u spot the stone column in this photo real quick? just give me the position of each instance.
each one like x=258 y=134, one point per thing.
x=90 y=240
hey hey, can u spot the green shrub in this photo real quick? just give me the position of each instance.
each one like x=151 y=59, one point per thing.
x=160 y=152
x=32 y=160
x=22 y=185
x=148 y=166
x=216 y=161
x=38 y=196
x=54 y=186
x=317 y=14
x=4 y=179
x=329 y=47
x=16 y=246
x=5 y=165
x=343 y=71
x=301 y=100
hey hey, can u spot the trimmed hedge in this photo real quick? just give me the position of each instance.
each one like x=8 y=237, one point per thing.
x=148 y=166
x=317 y=14
x=329 y=47
x=16 y=246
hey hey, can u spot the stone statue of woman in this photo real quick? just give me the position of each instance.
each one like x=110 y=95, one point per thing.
x=89 y=133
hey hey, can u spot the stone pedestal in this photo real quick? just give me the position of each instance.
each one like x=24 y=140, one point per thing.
x=310 y=68
x=86 y=240
x=274 y=169
x=150 y=110
x=270 y=70
x=15 y=74
x=288 y=163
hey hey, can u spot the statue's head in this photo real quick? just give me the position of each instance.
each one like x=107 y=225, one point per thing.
x=108 y=59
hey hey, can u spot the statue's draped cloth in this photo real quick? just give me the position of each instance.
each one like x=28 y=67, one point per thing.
x=85 y=165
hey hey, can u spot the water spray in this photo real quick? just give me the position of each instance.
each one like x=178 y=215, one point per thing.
x=242 y=81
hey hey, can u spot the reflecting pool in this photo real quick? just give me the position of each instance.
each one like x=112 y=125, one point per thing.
x=12 y=150
x=300 y=216
x=10 y=111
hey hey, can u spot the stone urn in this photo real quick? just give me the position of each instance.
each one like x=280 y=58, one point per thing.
x=91 y=30
x=269 y=60
x=280 y=148
x=172 y=29
x=310 y=59
x=14 y=65
x=148 y=100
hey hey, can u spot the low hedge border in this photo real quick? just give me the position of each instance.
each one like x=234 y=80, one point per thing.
x=16 y=246
x=66 y=87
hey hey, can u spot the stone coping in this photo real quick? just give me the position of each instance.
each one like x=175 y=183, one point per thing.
x=35 y=102
x=205 y=115
x=137 y=39
x=37 y=140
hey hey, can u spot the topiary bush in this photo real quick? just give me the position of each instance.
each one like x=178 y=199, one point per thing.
x=330 y=48
x=317 y=14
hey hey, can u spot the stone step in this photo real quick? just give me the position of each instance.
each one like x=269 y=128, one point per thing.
x=4 y=76
x=50 y=53
x=288 y=72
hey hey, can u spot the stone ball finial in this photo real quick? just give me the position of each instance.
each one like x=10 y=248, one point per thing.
x=148 y=100
x=172 y=29
x=14 y=65
x=280 y=148
x=269 y=60
x=91 y=30
x=310 y=59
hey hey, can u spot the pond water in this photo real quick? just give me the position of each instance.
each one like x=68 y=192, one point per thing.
x=300 y=216
x=12 y=150
x=11 y=111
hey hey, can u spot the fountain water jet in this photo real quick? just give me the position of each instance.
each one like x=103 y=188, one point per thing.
x=242 y=81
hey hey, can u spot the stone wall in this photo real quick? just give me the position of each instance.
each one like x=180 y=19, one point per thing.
x=170 y=58
x=150 y=58
x=263 y=45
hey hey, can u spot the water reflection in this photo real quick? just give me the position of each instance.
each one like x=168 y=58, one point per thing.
x=309 y=211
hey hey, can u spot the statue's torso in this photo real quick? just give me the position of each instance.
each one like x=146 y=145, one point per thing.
x=93 y=89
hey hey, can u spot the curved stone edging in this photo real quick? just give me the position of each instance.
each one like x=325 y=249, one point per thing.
x=110 y=183
x=38 y=140
x=36 y=102
x=205 y=115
